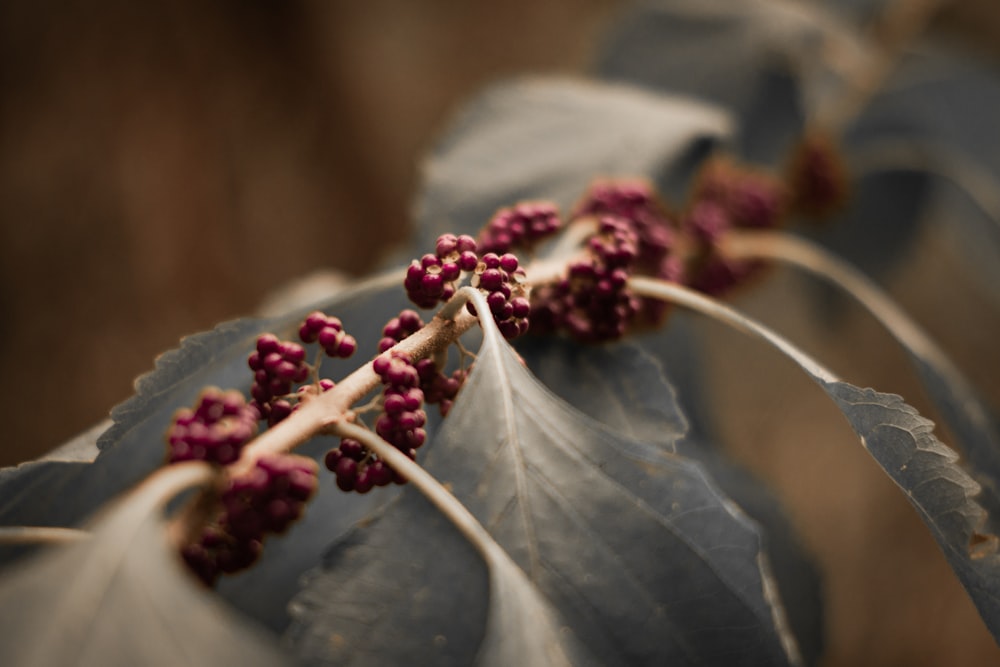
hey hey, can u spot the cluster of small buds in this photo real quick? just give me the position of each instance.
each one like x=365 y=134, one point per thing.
x=329 y=333
x=357 y=469
x=500 y=276
x=440 y=389
x=402 y=422
x=404 y=325
x=276 y=365
x=816 y=177
x=214 y=431
x=430 y=280
x=593 y=302
x=521 y=226
x=264 y=501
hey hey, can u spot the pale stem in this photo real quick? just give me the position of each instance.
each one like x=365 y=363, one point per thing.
x=674 y=293
x=41 y=535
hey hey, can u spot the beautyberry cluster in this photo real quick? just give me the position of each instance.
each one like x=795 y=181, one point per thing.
x=276 y=365
x=727 y=197
x=329 y=333
x=499 y=277
x=357 y=469
x=401 y=327
x=431 y=279
x=438 y=388
x=592 y=302
x=521 y=226
x=214 y=431
x=266 y=500
x=403 y=418
x=817 y=177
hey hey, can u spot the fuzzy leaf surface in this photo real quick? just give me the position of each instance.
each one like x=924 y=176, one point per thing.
x=123 y=597
x=548 y=139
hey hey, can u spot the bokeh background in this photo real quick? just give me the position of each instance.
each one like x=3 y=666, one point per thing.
x=166 y=165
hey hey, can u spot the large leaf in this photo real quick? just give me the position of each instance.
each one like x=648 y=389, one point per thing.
x=623 y=386
x=548 y=139
x=767 y=61
x=624 y=538
x=123 y=597
x=937 y=114
x=134 y=446
x=903 y=443
x=972 y=422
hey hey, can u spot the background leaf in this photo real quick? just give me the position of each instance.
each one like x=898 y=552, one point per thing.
x=623 y=386
x=548 y=139
x=766 y=62
x=123 y=597
x=904 y=445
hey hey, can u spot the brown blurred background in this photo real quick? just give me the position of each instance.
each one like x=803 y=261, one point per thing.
x=163 y=165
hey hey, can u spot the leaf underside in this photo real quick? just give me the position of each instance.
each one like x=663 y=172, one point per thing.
x=122 y=597
x=627 y=541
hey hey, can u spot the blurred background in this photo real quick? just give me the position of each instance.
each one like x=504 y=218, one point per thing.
x=165 y=165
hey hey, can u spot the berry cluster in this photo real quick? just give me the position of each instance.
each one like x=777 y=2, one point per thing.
x=499 y=277
x=438 y=388
x=400 y=424
x=214 y=431
x=404 y=325
x=357 y=469
x=519 y=227
x=403 y=418
x=816 y=177
x=329 y=333
x=276 y=365
x=431 y=279
x=593 y=303
x=726 y=197
x=266 y=500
